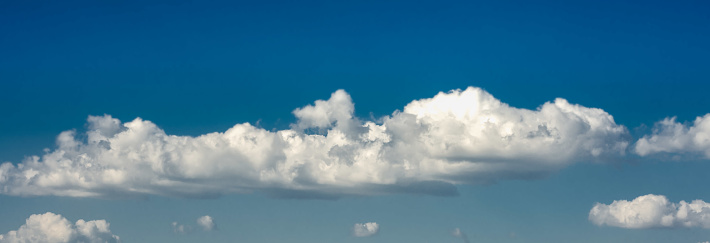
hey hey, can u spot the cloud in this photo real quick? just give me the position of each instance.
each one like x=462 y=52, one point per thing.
x=180 y=228
x=460 y=234
x=458 y=137
x=670 y=136
x=206 y=223
x=53 y=228
x=652 y=211
x=366 y=229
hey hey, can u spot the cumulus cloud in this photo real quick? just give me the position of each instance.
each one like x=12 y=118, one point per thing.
x=651 y=211
x=366 y=229
x=206 y=223
x=460 y=234
x=53 y=228
x=670 y=136
x=459 y=137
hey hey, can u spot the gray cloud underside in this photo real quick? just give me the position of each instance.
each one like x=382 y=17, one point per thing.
x=459 y=137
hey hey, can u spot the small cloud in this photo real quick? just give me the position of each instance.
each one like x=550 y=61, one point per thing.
x=206 y=223
x=180 y=228
x=460 y=234
x=672 y=137
x=50 y=227
x=651 y=211
x=366 y=229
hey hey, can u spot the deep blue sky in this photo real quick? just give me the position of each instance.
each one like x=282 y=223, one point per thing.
x=195 y=67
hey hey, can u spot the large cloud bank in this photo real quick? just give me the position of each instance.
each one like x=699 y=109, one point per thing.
x=53 y=228
x=651 y=211
x=459 y=137
x=670 y=136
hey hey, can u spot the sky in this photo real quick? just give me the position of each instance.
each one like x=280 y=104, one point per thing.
x=367 y=121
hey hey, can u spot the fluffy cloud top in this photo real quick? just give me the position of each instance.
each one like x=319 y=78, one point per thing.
x=206 y=223
x=463 y=136
x=53 y=228
x=670 y=136
x=366 y=229
x=651 y=211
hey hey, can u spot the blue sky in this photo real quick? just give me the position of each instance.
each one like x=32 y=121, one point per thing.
x=194 y=68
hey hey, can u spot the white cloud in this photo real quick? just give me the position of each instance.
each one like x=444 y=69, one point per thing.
x=338 y=110
x=670 y=136
x=180 y=228
x=366 y=229
x=53 y=228
x=460 y=234
x=206 y=223
x=459 y=137
x=651 y=211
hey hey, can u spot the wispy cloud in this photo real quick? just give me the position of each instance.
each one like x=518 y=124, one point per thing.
x=459 y=137
x=179 y=228
x=460 y=234
x=365 y=229
x=206 y=223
